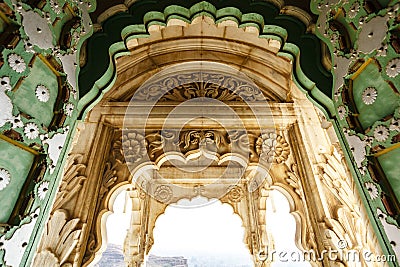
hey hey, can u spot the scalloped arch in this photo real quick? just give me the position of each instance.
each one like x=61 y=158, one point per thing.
x=99 y=74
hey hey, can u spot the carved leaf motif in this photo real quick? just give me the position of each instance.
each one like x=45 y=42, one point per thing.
x=46 y=258
x=109 y=178
x=333 y=174
x=59 y=240
x=347 y=231
x=72 y=181
x=293 y=180
x=205 y=139
x=202 y=84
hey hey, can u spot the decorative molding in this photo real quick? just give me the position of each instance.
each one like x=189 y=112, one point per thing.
x=60 y=238
x=357 y=146
x=55 y=145
x=114 y=166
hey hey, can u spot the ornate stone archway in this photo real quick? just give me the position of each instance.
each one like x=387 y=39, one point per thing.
x=59 y=57
x=300 y=147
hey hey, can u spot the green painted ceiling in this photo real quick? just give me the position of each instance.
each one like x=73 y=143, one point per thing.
x=390 y=165
x=17 y=162
x=386 y=101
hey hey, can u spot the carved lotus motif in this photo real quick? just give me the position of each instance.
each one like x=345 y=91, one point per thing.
x=133 y=146
x=369 y=95
x=393 y=67
x=381 y=133
x=235 y=194
x=17 y=63
x=372 y=190
x=5 y=178
x=163 y=193
x=273 y=148
x=69 y=108
x=31 y=130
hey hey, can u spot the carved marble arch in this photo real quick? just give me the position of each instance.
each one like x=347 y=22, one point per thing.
x=113 y=153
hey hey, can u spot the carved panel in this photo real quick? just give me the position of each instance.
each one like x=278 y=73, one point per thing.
x=201 y=84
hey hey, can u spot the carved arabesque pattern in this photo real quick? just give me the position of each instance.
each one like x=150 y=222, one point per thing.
x=217 y=142
x=183 y=87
